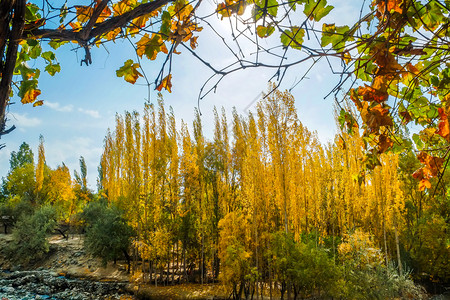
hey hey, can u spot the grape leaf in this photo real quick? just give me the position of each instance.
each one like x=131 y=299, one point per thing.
x=129 y=71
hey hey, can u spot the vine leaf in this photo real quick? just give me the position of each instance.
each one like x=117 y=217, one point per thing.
x=129 y=71
x=166 y=84
x=444 y=127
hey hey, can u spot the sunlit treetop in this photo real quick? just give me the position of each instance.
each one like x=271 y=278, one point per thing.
x=392 y=62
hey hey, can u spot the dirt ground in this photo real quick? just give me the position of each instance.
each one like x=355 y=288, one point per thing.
x=68 y=258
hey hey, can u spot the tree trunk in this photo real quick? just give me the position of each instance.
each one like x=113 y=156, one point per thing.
x=202 y=260
x=9 y=41
x=385 y=241
x=128 y=258
x=184 y=262
x=397 y=244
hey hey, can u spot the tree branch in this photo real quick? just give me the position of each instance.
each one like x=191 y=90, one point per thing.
x=100 y=28
x=98 y=10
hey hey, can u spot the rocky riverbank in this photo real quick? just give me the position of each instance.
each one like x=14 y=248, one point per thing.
x=67 y=272
x=44 y=284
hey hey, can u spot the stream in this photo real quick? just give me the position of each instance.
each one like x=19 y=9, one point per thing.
x=43 y=284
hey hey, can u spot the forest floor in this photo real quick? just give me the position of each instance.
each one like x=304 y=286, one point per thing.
x=68 y=259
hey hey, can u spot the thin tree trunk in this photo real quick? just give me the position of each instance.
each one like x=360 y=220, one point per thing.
x=202 y=260
x=397 y=244
x=270 y=281
x=178 y=262
x=184 y=262
x=385 y=241
x=156 y=276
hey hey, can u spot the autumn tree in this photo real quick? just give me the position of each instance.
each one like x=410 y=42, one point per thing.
x=18 y=159
x=222 y=204
x=61 y=193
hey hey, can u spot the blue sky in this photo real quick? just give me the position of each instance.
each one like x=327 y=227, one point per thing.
x=80 y=102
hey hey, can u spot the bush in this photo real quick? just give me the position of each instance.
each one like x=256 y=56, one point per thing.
x=367 y=275
x=305 y=267
x=30 y=235
x=108 y=234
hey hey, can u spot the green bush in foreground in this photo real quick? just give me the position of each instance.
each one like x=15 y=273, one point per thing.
x=30 y=235
x=108 y=234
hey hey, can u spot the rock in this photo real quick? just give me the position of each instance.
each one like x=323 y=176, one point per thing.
x=9 y=289
x=78 y=253
x=43 y=284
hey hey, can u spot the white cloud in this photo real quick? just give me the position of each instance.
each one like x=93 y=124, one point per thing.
x=22 y=120
x=56 y=106
x=92 y=113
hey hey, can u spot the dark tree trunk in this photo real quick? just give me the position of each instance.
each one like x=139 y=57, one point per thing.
x=9 y=42
x=128 y=258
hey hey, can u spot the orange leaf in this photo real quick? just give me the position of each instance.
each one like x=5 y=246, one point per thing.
x=371 y=94
x=123 y=6
x=406 y=117
x=394 y=5
x=129 y=71
x=166 y=83
x=376 y=116
x=38 y=103
x=444 y=126
x=384 y=143
x=75 y=26
x=423 y=184
x=30 y=95
x=418 y=174
x=111 y=35
x=137 y=24
x=432 y=164
x=389 y=5
x=194 y=42
x=104 y=14
x=411 y=68
x=386 y=61
x=84 y=13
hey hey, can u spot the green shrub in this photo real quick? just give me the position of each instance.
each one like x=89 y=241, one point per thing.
x=30 y=235
x=366 y=274
x=108 y=234
x=306 y=268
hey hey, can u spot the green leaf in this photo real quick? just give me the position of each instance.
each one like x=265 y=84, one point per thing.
x=52 y=69
x=165 y=23
x=27 y=90
x=335 y=35
x=48 y=56
x=417 y=140
x=293 y=38
x=341 y=118
x=365 y=69
x=272 y=7
x=129 y=71
x=63 y=13
x=258 y=10
x=32 y=42
x=317 y=9
x=55 y=44
x=31 y=12
x=264 y=32
x=35 y=51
